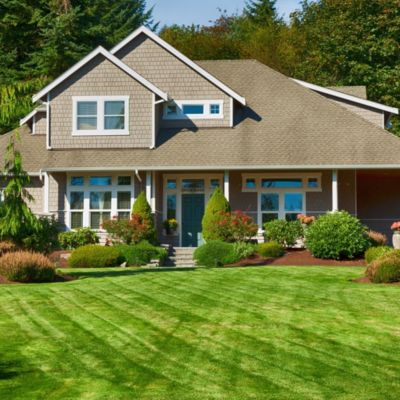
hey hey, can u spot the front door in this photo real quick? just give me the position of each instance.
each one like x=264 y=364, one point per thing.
x=192 y=214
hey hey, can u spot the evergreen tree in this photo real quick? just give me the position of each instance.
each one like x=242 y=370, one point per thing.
x=261 y=12
x=142 y=208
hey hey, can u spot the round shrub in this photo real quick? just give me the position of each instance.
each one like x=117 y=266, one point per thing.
x=336 y=235
x=385 y=269
x=95 y=256
x=286 y=233
x=77 y=238
x=27 y=267
x=243 y=250
x=215 y=254
x=375 y=252
x=141 y=253
x=270 y=249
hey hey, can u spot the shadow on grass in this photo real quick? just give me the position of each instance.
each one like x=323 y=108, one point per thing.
x=8 y=369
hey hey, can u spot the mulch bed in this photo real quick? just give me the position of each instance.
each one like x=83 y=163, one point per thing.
x=364 y=279
x=298 y=257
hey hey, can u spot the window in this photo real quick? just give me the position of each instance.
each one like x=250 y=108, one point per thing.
x=100 y=180
x=282 y=183
x=77 y=181
x=100 y=115
x=124 y=180
x=293 y=205
x=101 y=203
x=124 y=205
x=171 y=184
x=269 y=206
x=313 y=183
x=214 y=183
x=194 y=109
x=250 y=183
x=76 y=205
x=193 y=185
x=171 y=206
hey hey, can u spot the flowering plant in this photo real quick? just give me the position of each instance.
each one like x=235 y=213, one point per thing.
x=305 y=220
x=395 y=227
x=170 y=224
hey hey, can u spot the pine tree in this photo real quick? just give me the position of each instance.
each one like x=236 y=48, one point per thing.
x=261 y=12
x=142 y=207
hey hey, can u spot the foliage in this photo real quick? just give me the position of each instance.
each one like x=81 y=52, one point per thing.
x=337 y=235
x=130 y=231
x=170 y=224
x=95 y=256
x=142 y=208
x=270 y=249
x=376 y=238
x=385 y=269
x=141 y=253
x=305 y=220
x=16 y=218
x=45 y=237
x=6 y=246
x=243 y=250
x=376 y=252
x=216 y=209
x=27 y=267
x=395 y=227
x=286 y=233
x=80 y=237
x=215 y=254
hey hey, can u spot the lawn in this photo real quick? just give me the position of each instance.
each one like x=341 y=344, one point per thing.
x=244 y=333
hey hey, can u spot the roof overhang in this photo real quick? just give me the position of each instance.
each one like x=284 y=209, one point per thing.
x=31 y=115
x=116 y=61
x=181 y=57
x=348 y=97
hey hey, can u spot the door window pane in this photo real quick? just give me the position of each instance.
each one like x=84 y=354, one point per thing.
x=266 y=217
x=97 y=219
x=282 y=183
x=171 y=184
x=100 y=200
x=77 y=181
x=269 y=202
x=197 y=109
x=76 y=220
x=87 y=115
x=124 y=180
x=100 y=181
x=76 y=200
x=114 y=115
x=171 y=206
x=293 y=202
x=123 y=200
x=193 y=185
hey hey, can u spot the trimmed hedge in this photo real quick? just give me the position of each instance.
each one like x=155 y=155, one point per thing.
x=141 y=253
x=336 y=235
x=27 y=267
x=95 y=256
x=270 y=249
x=215 y=254
x=81 y=237
x=286 y=233
x=376 y=252
x=385 y=269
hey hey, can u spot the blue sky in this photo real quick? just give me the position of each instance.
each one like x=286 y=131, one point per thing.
x=202 y=11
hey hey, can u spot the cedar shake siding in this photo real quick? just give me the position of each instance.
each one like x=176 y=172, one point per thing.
x=40 y=123
x=35 y=188
x=101 y=78
x=174 y=77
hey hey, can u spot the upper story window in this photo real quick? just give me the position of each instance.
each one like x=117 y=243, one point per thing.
x=194 y=109
x=100 y=115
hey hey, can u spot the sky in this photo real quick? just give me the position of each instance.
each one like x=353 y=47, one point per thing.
x=201 y=12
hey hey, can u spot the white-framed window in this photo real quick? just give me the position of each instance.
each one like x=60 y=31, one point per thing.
x=100 y=115
x=193 y=109
x=95 y=198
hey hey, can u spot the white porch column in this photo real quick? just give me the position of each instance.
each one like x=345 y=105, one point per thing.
x=149 y=197
x=335 y=198
x=226 y=184
x=46 y=193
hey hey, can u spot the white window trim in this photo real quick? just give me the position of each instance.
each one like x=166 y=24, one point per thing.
x=100 y=131
x=206 y=115
x=114 y=188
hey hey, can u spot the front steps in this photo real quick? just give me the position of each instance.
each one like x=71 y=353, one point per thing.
x=180 y=257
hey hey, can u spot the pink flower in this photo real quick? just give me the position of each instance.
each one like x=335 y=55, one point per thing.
x=395 y=226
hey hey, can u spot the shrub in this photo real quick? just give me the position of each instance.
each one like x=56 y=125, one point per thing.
x=6 y=246
x=130 y=231
x=45 y=237
x=215 y=254
x=142 y=253
x=80 y=237
x=270 y=249
x=286 y=233
x=216 y=209
x=243 y=250
x=377 y=238
x=336 y=235
x=385 y=269
x=95 y=256
x=376 y=252
x=26 y=267
x=142 y=208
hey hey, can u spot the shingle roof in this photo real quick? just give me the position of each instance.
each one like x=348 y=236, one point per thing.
x=284 y=126
x=358 y=91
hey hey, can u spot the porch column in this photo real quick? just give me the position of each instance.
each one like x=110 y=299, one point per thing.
x=149 y=185
x=335 y=198
x=226 y=184
x=46 y=192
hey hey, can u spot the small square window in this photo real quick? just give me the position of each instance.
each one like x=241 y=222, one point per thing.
x=250 y=183
x=214 y=183
x=77 y=181
x=100 y=180
x=215 y=109
x=124 y=180
x=171 y=184
x=313 y=182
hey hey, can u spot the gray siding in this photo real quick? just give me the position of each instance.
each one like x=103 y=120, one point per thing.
x=35 y=188
x=174 y=77
x=40 y=123
x=101 y=78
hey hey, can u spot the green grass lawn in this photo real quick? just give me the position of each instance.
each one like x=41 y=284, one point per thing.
x=244 y=333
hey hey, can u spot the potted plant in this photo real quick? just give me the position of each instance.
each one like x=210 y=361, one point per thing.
x=396 y=234
x=170 y=226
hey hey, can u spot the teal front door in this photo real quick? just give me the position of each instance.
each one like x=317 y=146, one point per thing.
x=192 y=214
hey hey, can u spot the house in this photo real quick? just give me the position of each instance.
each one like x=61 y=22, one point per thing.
x=143 y=117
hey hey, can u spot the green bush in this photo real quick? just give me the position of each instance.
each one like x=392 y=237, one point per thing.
x=81 y=237
x=243 y=250
x=216 y=210
x=376 y=252
x=142 y=208
x=27 y=267
x=141 y=253
x=336 y=235
x=45 y=237
x=286 y=233
x=215 y=254
x=385 y=269
x=270 y=249
x=95 y=256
